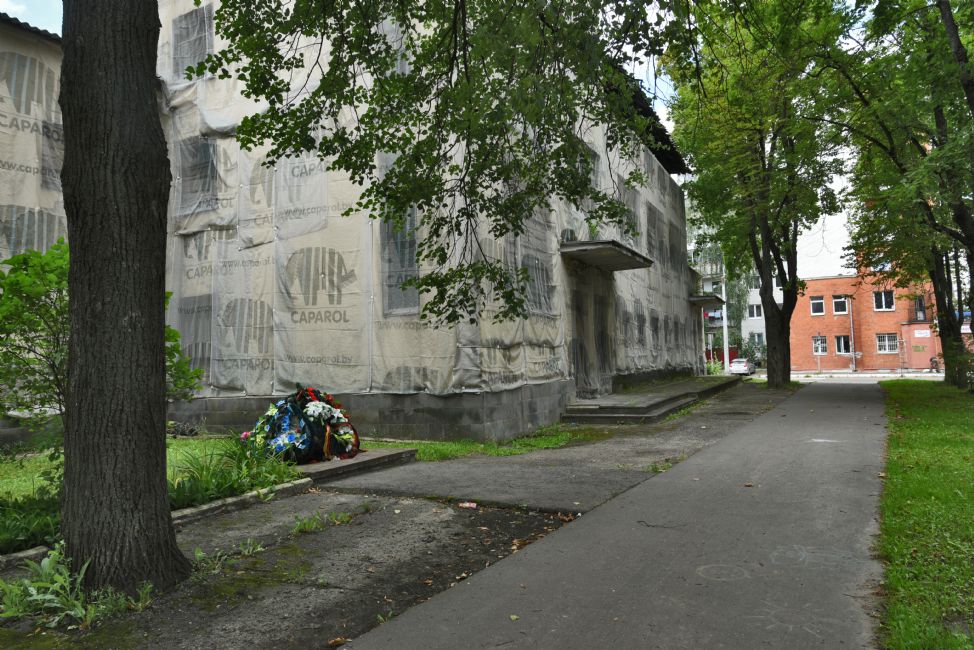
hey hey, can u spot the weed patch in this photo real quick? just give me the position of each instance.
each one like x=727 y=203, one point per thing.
x=52 y=595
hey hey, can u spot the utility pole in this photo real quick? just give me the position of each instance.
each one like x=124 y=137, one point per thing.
x=723 y=296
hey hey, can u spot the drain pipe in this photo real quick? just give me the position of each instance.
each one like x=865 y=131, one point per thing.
x=852 y=334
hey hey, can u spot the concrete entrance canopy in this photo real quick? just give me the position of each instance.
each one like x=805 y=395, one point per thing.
x=608 y=255
x=706 y=300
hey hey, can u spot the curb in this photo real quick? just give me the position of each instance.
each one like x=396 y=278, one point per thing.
x=239 y=502
x=187 y=515
x=13 y=559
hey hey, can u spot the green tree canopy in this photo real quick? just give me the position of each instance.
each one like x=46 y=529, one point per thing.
x=744 y=114
x=473 y=112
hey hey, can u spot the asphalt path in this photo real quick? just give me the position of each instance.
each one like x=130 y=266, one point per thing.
x=759 y=540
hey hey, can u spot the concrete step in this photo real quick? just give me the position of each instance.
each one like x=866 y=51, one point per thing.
x=365 y=461
x=581 y=408
x=612 y=417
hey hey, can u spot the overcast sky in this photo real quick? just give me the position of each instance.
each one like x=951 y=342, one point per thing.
x=45 y=14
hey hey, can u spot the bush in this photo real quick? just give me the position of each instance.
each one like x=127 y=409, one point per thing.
x=34 y=337
x=28 y=521
x=715 y=368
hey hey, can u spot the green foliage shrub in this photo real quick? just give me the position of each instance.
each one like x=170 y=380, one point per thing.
x=52 y=594
x=34 y=337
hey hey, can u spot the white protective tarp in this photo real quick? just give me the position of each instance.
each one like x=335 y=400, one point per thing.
x=272 y=286
x=31 y=143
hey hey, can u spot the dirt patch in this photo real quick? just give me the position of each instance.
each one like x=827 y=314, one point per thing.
x=306 y=589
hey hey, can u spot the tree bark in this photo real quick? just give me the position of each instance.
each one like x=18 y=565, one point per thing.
x=957 y=48
x=948 y=326
x=779 y=348
x=116 y=178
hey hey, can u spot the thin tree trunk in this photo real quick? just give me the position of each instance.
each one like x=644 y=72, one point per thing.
x=115 y=509
x=951 y=339
x=958 y=285
x=957 y=48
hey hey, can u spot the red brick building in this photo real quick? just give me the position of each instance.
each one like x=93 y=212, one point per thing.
x=849 y=323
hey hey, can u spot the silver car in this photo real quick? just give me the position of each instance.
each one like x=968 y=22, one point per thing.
x=741 y=366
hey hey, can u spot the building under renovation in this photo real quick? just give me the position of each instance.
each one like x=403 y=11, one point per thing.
x=272 y=286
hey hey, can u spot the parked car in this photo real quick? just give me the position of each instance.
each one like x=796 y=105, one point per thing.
x=741 y=366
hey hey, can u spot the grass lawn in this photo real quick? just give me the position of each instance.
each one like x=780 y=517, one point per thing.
x=19 y=477
x=551 y=437
x=927 y=532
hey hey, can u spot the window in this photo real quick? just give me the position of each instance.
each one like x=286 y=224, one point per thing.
x=883 y=301
x=840 y=305
x=716 y=289
x=818 y=305
x=756 y=338
x=887 y=344
x=595 y=171
x=920 y=309
x=398 y=246
x=198 y=175
x=653 y=218
x=192 y=39
x=754 y=311
x=820 y=345
x=842 y=345
x=52 y=155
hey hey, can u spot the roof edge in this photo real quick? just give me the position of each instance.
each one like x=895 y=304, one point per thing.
x=27 y=27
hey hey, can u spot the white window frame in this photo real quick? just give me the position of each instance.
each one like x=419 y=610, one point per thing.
x=820 y=346
x=882 y=343
x=845 y=304
x=812 y=300
x=892 y=306
x=845 y=338
x=755 y=311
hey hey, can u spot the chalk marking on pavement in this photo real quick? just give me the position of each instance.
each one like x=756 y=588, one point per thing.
x=781 y=617
x=722 y=572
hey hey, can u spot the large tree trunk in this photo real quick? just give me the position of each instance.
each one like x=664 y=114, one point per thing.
x=115 y=510
x=778 y=330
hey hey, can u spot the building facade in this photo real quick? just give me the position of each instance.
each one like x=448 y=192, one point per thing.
x=849 y=323
x=31 y=139
x=272 y=286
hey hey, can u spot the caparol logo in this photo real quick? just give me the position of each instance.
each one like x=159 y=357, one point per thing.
x=317 y=273
x=251 y=323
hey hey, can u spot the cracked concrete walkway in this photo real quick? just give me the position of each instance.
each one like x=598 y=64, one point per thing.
x=760 y=540
x=576 y=478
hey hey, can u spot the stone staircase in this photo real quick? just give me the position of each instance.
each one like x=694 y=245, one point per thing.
x=642 y=407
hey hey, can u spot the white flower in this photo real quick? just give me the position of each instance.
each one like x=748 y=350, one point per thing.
x=319 y=409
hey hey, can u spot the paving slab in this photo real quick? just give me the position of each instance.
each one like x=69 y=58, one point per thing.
x=575 y=478
x=762 y=540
